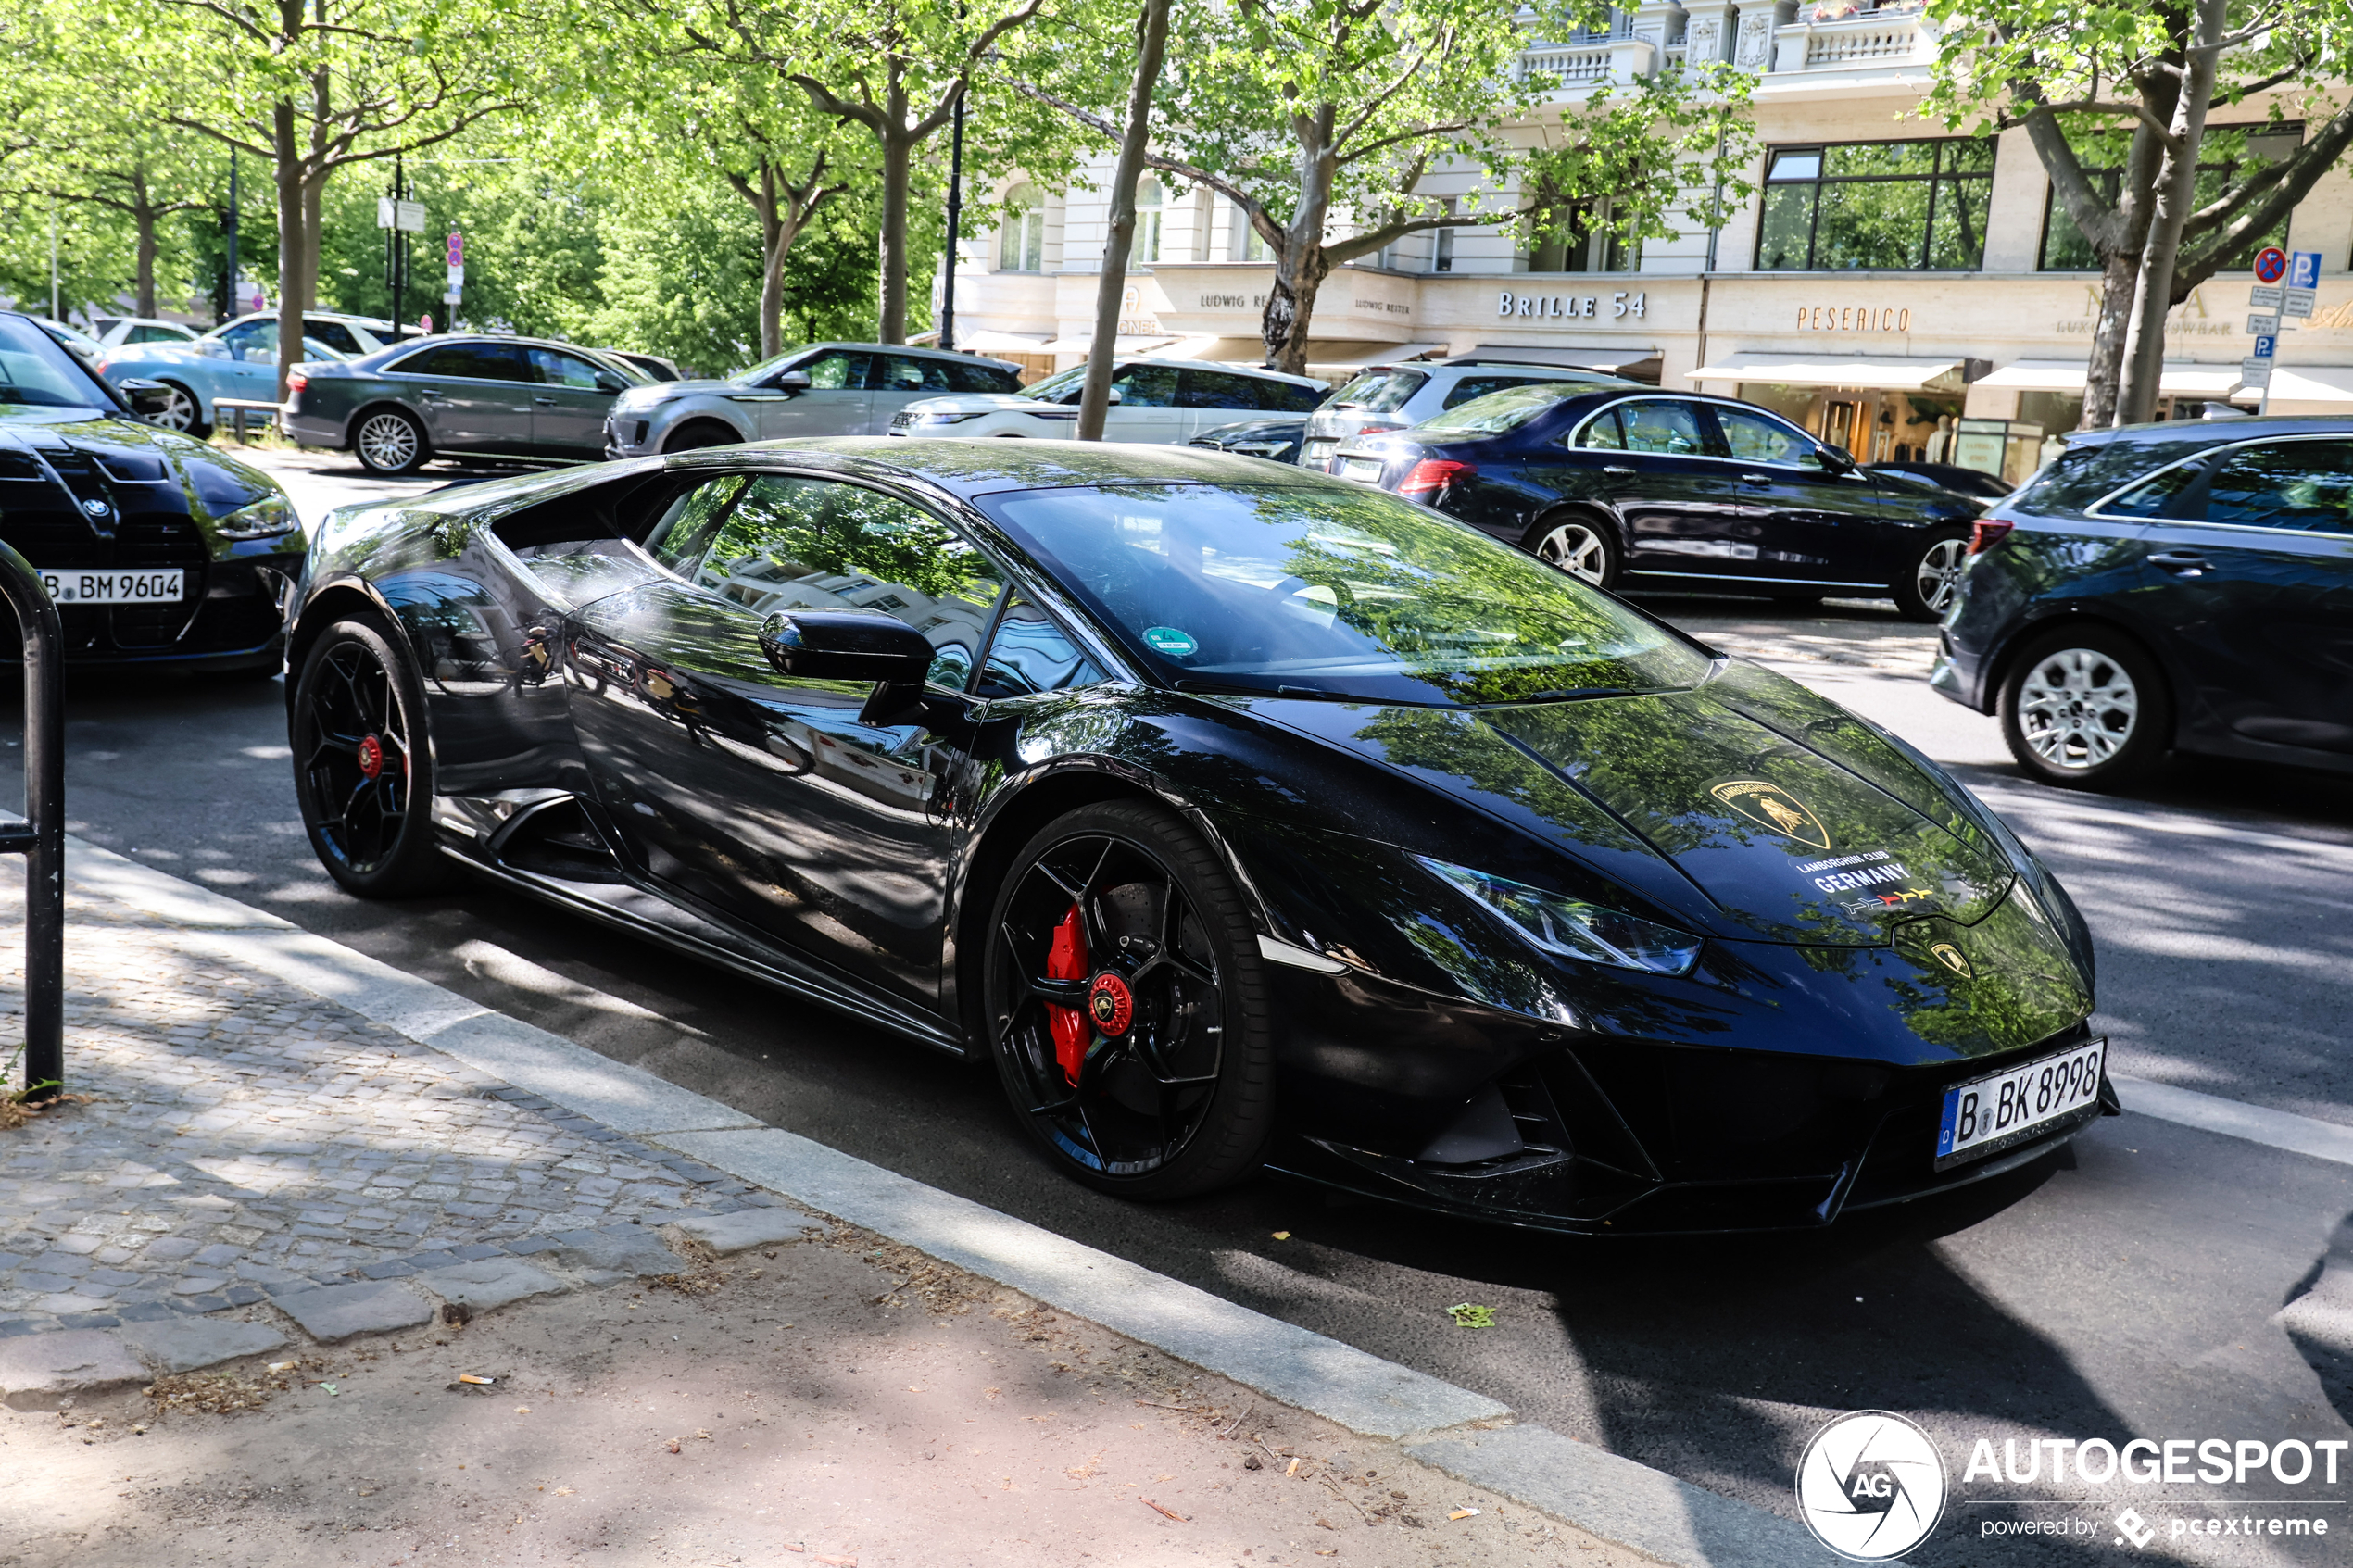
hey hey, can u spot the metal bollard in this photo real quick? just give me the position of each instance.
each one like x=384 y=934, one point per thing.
x=40 y=837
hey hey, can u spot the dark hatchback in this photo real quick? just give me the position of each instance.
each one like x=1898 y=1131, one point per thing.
x=159 y=549
x=2183 y=586
x=400 y=407
x=1629 y=487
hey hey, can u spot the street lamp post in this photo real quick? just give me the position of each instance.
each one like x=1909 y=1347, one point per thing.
x=955 y=223
x=229 y=230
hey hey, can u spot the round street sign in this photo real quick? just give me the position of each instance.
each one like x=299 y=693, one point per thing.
x=2270 y=264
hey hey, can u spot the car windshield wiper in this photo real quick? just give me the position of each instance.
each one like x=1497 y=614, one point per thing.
x=1569 y=693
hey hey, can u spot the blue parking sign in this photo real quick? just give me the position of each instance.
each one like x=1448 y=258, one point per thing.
x=2304 y=269
x=2266 y=346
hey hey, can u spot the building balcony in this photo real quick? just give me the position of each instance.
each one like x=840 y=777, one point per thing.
x=1865 y=41
x=1773 y=38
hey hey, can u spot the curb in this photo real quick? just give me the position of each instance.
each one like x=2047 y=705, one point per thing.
x=1615 y=1498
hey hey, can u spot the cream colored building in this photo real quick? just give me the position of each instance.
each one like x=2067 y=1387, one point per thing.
x=1986 y=317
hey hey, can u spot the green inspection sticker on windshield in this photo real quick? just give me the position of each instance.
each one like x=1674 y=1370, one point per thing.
x=1170 y=641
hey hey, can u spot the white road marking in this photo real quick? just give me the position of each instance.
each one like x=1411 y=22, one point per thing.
x=2236 y=1119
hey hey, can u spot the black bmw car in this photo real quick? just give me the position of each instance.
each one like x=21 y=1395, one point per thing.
x=157 y=548
x=2168 y=586
x=1629 y=487
x=1234 y=814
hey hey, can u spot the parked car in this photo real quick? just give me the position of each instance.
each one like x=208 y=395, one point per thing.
x=1629 y=487
x=825 y=389
x=653 y=366
x=1176 y=789
x=2186 y=585
x=1397 y=396
x=480 y=394
x=158 y=549
x=1974 y=483
x=129 y=332
x=1152 y=400
x=1277 y=439
x=80 y=344
x=237 y=359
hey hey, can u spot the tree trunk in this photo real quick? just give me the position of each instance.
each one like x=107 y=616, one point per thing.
x=1290 y=304
x=2176 y=195
x=896 y=150
x=1094 y=398
x=773 y=242
x=288 y=173
x=144 y=216
x=2105 y=372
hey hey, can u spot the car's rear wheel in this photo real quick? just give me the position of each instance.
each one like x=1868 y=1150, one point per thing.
x=1580 y=546
x=363 y=774
x=388 y=442
x=182 y=412
x=695 y=434
x=1127 y=1008
x=2085 y=709
x=1931 y=575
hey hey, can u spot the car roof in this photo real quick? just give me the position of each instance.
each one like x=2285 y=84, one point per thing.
x=2218 y=432
x=966 y=467
x=1259 y=370
x=915 y=348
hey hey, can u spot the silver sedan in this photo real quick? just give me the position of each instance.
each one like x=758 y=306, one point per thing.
x=825 y=389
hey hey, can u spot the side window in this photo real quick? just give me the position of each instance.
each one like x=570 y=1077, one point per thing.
x=2306 y=486
x=836 y=372
x=551 y=368
x=981 y=378
x=334 y=335
x=469 y=361
x=1146 y=386
x=1029 y=653
x=1479 y=386
x=1282 y=398
x=681 y=536
x=1755 y=439
x=1604 y=434
x=904 y=372
x=253 y=341
x=1221 y=389
x=157 y=334
x=789 y=542
x=2161 y=496
x=1663 y=426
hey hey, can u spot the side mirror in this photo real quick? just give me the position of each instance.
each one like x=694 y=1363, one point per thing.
x=148 y=399
x=792 y=381
x=851 y=644
x=213 y=348
x=1837 y=460
x=607 y=381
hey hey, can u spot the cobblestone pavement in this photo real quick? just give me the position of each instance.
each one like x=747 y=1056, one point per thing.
x=248 y=1140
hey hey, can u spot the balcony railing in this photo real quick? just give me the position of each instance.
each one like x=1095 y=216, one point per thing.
x=1660 y=35
x=1873 y=38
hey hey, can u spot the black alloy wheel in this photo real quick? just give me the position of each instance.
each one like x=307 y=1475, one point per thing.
x=363 y=773
x=1128 y=1006
x=1931 y=575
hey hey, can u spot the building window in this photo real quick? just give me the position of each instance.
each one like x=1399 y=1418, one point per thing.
x=1576 y=241
x=2228 y=155
x=1022 y=247
x=1248 y=243
x=1148 y=201
x=1889 y=206
x=1441 y=250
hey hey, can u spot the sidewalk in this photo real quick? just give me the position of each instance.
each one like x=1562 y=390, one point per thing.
x=241 y=1288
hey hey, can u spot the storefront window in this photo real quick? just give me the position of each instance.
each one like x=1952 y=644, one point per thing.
x=1888 y=205
x=1023 y=246
x=2226 y=156
x=1872 y=425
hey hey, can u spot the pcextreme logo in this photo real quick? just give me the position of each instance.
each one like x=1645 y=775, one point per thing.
x=1870 y=1486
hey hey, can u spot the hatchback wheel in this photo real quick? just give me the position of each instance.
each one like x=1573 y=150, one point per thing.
x=182 y=412
x=2085 y=709
x=1582 y=549
x=388 y=442
x=363 y=775
x=1932 y=576
x=1126 y=1006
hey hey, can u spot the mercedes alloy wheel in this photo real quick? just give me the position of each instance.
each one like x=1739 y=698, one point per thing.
x=1581 y=549
x=1925 y=591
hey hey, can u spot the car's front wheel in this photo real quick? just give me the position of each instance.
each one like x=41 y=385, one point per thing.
x=2085 y=709
x=695 y=434
x=1127 y=1008
x=1931 y=575
x=388 y=442
x=363 y=774
x=182 y=412
x=1578 y=545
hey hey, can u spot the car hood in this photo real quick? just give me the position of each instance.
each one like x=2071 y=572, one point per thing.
x=1691 y=804
x=979 y=402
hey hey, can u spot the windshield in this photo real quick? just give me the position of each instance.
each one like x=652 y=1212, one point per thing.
x=1499 y=411
x=751 y=373
x=1382 y=391
x=1054 y=388
x=35 y=372
x=1322 y=591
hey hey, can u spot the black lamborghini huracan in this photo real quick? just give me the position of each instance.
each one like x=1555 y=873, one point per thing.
x=1237 y=814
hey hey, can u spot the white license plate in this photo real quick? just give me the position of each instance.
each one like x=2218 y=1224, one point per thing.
x=1365 y=468
x=1986 y=1116
x=1321 y=451
x=160 y=585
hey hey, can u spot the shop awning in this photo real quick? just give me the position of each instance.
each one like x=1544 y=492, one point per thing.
x=1830 y=370
x=1344 y=356
x=2181 y=379
x=1083 y=342
x=1219 y=350
x=1635 y=364
x=1003 y=342
x=2312 y=383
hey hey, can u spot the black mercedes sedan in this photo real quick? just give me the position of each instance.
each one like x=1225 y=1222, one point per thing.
x=2170 y=587
x=1277 y=440
x=478 y=396
x=159 y=549
x=1233 y=813
x=1631 y=488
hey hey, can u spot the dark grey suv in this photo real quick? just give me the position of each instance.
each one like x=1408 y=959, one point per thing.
x=2172 y=585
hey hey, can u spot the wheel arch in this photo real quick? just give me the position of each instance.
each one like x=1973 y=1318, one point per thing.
x=1553 y=514
x=326 y=605
x=737 y=435
x=2005 y=658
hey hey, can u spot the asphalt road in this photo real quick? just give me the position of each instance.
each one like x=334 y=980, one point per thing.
x=2129 y=1288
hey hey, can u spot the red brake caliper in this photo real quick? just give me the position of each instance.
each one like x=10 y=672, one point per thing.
x=1066 y=959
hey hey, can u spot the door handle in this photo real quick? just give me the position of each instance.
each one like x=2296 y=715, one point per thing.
x=544 y=402
x=427 y=396
x=1613 y=468
x=1756 y=479
x=2189 y=563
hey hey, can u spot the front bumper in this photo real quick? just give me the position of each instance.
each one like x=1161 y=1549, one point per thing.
x=628 y=436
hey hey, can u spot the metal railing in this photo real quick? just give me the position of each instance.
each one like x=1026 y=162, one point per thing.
x=40 y=837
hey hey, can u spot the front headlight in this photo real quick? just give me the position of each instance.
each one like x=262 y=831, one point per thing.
x=1574 y=929
x=948 y=419
x=270 y=515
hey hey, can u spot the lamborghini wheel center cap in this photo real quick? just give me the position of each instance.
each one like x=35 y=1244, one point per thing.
x=372 y=756
x=1111 y=1004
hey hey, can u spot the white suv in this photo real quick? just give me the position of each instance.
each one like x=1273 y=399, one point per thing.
x=1385 y=398
x=1152 y=400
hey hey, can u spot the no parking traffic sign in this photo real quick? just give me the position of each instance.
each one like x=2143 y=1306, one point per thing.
x=2270 y=264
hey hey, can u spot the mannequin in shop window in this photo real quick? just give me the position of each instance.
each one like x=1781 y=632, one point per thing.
x=1939 y=446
